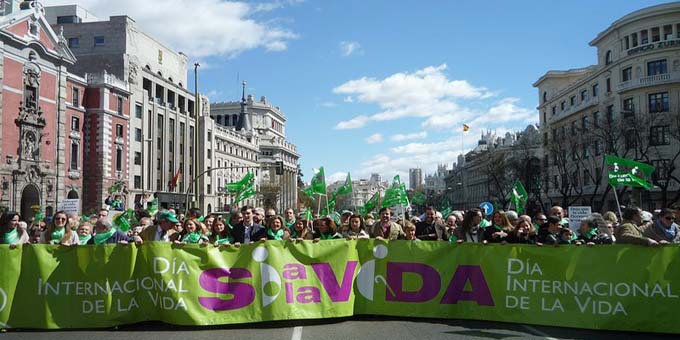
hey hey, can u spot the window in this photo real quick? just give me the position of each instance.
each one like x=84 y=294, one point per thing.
x=68 y=19
x=572 y=100
x=545 y=116
x=573 y=127
x=634 y=38
x=626 y=42
x=99 y=40
x=659 y=135
x=609 y=85
x=119 y=159
x=75 y=97
x=545 y=96
x=628 y=105
x=75 y=124
x=627 y=74
x=595 y=90
x=138 y=111
x=656 y=35
x=598 y=147
x=73 y=42
x=610 y=114
x=119 y=130
x=658 y=102
x=562 y=105
x=668 y=32
x=629 y=138
x=138 y=135
x=656 y=67
x=608 y=58
x=209 y=154
x=585 y=122
x=596 y=119
x=138 y=182
x=644 y=37
x=160 y=56
x=584 y=95
x=120 y=105
x=138 y=158
x=586 y=177
x=75 y=153
x=554 y=110
x=663 y=167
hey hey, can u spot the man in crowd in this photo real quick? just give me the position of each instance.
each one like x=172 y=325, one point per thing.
x=268 y=215
x=248 y=230
x=631 y=230
x=429 y=229
x=258 y=215
x=559 y=212
x=664 y=228
x=385 y=229
x=160 y=232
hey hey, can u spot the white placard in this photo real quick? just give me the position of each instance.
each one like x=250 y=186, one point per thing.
x=576 y=215
x=70 y=206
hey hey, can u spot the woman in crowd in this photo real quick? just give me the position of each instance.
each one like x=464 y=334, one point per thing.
x=469 y=230
x=356 y=228
x=524 y=233
x=11 y=231
x=325 y=229
x=300 y=231
x=57 y=231
x=410 y=231
x=208 y=221
x=664 y=227
x=450 y=229
x=499 y=230
x=221 y=234
x=276 y=230
x=193 y=233
x=84 y=233
x=590 y=232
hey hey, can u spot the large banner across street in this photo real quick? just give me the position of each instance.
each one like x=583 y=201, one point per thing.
x=602 y=287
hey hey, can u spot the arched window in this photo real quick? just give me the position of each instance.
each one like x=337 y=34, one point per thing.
x=545 y=96
x=608 y=58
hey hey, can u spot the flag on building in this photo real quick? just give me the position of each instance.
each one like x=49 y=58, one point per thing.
x=519 y=196
x=174 y=182
x=628 y=172
x=319 y=182
x=466 y=128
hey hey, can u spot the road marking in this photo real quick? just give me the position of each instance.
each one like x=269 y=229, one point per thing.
x=297 y=333
x=537 y=332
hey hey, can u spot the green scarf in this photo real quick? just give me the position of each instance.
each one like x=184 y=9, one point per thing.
x=484 y=223
x=498 y=227
x=84 y=239
x=230 y=226
x=589 y=235
x=327 y=236
x=100 y=238
x=57 y=234
x=225 y=240
x=291 y=224
x=277 y=236
x=453 y=239
x=194 y=237
x=12 y=237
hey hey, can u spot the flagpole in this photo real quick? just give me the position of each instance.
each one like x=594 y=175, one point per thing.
x=618 y=206
x=318 y=207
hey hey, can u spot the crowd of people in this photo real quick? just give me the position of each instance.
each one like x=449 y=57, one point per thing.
x=259 y=225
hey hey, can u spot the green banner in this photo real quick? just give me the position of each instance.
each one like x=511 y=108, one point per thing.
x=625 y=288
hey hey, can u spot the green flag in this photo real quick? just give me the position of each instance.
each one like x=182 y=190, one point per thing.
x=309 y=192
x=346 y=188
x=124 y=220
x=372 y=203
x=39 y=216
x=446 y=212
x=627 y=172
x=519 y=196
x=152 y=208
x=418 y=198
x=245 y=194
x=319 y=182
x=395 y=196
x=236 y=187
x=114 y=188
x=396 y=181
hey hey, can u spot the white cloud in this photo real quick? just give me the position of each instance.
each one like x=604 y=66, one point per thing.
x=353 y=123
x=403 y=137
x=423 y=93
x=338 y=176
x=200 y=27
x=374 y=138
x=348 y=48
x=348 y=99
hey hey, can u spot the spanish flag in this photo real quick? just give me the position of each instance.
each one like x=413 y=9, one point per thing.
x=174 y=182
x=465 y=128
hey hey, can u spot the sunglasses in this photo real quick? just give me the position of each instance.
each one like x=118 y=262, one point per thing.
x=670 y=218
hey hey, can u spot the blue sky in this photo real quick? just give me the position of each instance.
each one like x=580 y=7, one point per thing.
x=380 y=86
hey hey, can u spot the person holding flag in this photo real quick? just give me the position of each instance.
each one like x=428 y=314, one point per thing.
x=104 y=233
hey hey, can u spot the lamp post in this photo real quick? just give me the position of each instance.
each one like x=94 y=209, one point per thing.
x=144 y=141
x=197 y=130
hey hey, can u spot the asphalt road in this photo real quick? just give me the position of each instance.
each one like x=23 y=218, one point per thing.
x=342 y=328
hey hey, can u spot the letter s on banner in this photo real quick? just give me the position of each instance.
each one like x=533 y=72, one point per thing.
x=244 y=293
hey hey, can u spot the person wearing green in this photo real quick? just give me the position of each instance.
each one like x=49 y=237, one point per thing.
x=300 y=232
x=84 y=233
x=58 y=233
x=275 y=229
x=11 y=231
x=500 y=229
x=221 y=234
x=105 y=233
x=290 y=218
x=194 y=233
x=326 y=229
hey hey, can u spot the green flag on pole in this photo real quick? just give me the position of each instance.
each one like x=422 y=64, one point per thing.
x=237 y=187
x=247 y=190
x=346 y=188
x=319 y=182
x=519 y=196
x=309 y=192
x=124 y=220
x=372 y=203
x=418 y=198
x=630 y=173
x=152 y=208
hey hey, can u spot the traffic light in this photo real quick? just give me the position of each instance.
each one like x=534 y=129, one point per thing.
x=279 y=167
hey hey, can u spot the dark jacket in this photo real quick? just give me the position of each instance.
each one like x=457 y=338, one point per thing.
x=429 y=231
x=490 y=230
x=656 y=233
x=546 y=237
x=257 y=232
x=600 y=238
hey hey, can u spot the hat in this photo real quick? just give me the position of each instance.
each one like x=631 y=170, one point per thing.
x=167 y=216
x=646 y=216
x=344 y=212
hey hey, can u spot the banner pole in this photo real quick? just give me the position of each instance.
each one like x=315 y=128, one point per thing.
x=318 y=206
x=618 y=205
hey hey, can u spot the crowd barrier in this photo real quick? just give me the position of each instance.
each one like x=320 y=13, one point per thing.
x=625 y=288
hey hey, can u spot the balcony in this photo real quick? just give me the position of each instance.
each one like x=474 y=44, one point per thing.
x=582 y=105
x=657 y=79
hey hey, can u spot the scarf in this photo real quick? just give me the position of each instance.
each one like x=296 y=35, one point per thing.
x=12 y=237
x=327 y=236
x=453 y=239
x=291 y=224
x=100 y=238
x=57 y=234
x=192 y=237
x=276 y=236
x=84 y=239
x=669 y=233
x=225 y=240
x=589 y=235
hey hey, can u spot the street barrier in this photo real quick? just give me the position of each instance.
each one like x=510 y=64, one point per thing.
x=626 y=288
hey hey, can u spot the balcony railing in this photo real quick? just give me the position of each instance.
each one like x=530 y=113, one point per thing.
x=654 y=80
